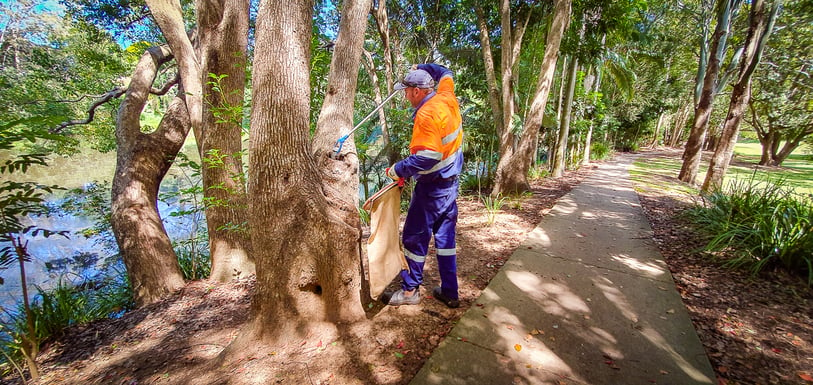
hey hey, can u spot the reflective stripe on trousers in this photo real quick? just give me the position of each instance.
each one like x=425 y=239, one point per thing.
x=432 y=212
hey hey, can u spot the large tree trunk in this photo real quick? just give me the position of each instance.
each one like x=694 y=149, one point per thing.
x=502 y=100
x=306 y=248
x=512 y=170
x=559 y=158
x=142 y=161
x=694 y=144
x=761 y=25
x=223 y=36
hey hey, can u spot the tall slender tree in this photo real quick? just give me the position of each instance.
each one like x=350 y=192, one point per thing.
x=759 y=30
x=726 y=10
x=512 y=171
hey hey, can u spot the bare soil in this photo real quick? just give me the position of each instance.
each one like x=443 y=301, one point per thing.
x=755 y=330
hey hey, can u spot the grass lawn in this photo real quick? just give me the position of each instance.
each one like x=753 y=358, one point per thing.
x=797 y=170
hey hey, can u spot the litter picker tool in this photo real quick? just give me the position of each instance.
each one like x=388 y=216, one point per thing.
x=339 y=143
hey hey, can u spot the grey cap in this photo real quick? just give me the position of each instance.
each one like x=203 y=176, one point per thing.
x=416 y=78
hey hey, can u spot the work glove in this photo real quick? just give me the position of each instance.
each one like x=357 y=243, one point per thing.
x=390 y=171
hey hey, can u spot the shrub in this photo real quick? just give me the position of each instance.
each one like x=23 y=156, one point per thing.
x=65 y=305
x=476 y=182
x=759 y=225
x=538 y=171
x=600 y=151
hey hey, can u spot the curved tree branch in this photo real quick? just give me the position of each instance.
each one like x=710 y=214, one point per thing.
x=108 y=96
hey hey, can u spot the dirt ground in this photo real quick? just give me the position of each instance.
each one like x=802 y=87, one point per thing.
x=756 y=331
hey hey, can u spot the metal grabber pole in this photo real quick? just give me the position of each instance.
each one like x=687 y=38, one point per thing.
x=339 y=143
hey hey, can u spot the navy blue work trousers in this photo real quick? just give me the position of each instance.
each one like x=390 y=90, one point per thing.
x=432 y=212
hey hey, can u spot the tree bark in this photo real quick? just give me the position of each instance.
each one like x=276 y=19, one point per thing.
x=341 y=268
x=141 y=163
x=512 y=170
x=694 y=144
x=382 y=23
x=682 y=115
x=488 y=62
x=760 y=28
x=564 y=126
x=305 y=232
x=588 y=141
x=223 y=36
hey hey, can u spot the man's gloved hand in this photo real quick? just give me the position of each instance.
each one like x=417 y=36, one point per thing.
x=390 y=171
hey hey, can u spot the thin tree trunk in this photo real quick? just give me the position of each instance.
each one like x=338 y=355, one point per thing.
x=658 y=128
x=142 y=161
x=491 y=78
x=30 y=344
x=369 y=65
x=506 y=89
x=679 y=124
x=382 y=23
x=589 y=138
x=761 y=26
x=564 y=126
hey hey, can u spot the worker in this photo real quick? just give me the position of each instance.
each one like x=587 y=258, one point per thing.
x=435 y=161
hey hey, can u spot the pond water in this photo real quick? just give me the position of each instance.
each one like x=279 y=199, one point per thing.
x=76 y=171
x=79 y=171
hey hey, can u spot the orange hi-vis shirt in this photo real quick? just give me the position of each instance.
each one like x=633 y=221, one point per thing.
x=437 y=136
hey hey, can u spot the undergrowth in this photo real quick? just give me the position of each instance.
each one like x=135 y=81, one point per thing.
x=758 y=225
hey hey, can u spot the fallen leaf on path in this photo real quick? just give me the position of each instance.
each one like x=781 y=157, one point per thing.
x=806 y=377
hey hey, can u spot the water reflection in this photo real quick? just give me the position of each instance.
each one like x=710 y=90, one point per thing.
x=51 y=256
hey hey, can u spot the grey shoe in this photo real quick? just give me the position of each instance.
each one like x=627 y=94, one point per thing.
x=400 y=298
x=450 y=302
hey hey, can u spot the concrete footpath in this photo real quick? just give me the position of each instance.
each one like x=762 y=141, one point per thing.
x=586 y=299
